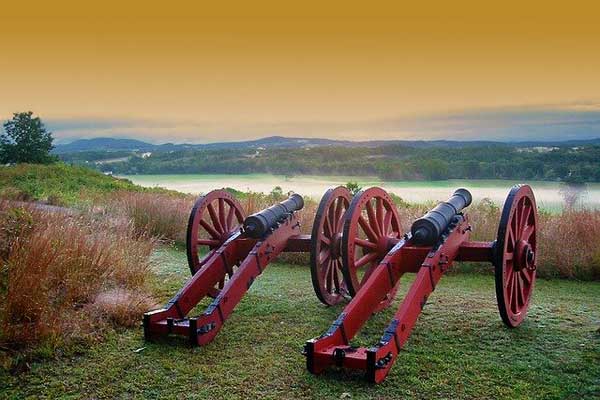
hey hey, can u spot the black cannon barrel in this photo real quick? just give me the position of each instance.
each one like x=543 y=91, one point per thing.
x=428 y=229
x=258 y=224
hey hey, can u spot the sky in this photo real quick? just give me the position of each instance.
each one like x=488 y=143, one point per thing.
x=200 y=72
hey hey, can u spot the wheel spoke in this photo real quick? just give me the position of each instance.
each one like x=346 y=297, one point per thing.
x=525 y=216
x=509 y=272
x=335 y=214
x=508 y=256
x=329 y=275
x=387 y=222
x=517 y=218
x=229 y=219
x=208 y=242
x=367 y=258
x=336 y=276
x=510 y=301
x=514 y=226
x=330 y=216
x=527 y=232
x=520 y=291
x=372 y=218
x=214 y=218
x=325 y=240
x=365 y=244
x=340 y=217
x=367 y=229
x=224 y=227
x=324 y=256
x=511 y=239
x=517 y=294
x=380 y=215
x=327 y=229
x=211 y=231
x=526 y=277
x=508 y=282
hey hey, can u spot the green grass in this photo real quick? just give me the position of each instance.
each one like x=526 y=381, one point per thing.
x=58 y=181
x=459 y=349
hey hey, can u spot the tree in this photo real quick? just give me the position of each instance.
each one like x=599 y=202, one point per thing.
x=25 y=139
x=435 y=170
x=353 y=187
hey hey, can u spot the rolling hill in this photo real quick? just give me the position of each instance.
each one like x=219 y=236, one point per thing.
x=274 y=142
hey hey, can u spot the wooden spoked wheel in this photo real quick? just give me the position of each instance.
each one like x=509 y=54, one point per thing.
x=213 y=219
x=371 y=228
x=516 y=255
x=325 y=256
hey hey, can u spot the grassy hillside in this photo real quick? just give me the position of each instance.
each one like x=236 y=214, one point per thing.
x=59 y=184
x=459 y=349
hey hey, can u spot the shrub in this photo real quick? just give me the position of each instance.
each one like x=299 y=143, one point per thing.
x=57 y=267
x=159 y=215
x=569 y=244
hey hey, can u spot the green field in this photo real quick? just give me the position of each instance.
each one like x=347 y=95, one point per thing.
x=459 y=349
x=548 y=194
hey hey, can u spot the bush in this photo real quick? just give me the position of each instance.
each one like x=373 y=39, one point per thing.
x=65 y=185
x=56 y=268
x=58 y=184
x=569 y=244
x=159 y=215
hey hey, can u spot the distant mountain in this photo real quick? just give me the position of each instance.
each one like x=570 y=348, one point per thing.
x=103 y=144
x=114 y=144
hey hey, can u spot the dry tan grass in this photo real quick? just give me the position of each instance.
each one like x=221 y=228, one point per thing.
x=569 y=243
x=162 y=216
x=55 y=267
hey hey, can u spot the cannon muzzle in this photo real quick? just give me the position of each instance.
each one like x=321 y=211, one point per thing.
x=258 y=224
x=428 y=229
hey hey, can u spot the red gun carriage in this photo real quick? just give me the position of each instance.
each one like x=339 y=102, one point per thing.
x=357 y=253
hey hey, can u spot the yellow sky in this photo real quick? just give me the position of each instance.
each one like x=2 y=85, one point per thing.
x=259 y=63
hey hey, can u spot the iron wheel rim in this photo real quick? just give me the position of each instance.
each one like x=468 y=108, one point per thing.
x=515 y=267
x=326 y=264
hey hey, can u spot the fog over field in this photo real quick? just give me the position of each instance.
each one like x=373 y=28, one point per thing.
x=549 y=195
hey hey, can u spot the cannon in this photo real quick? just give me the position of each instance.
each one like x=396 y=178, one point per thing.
x=258 y=224
x=428 y=229
x=376 y=254
x=358 y=253
x=227 y=251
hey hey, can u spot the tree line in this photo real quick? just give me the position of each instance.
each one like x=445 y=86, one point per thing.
x=25 y=139
x=394 y=162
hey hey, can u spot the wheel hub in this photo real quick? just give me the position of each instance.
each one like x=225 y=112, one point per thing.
x=336 y=245
x=525 y=256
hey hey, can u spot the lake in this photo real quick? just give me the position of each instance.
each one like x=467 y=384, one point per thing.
x=548 y=194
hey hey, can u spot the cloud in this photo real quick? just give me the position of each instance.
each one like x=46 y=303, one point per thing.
x=547 y=122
